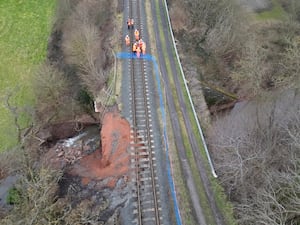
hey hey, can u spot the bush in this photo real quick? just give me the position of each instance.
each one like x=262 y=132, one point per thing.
x=14 y=196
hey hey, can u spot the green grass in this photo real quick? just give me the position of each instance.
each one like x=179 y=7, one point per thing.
x=14 y=196
x=24 y=30
x=276 y=12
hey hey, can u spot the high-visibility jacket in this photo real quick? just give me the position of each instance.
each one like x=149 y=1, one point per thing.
x=127 y=40
x=134 y=47
x=137 y=35
x=144 y=48
x=141 y=43
x=138 y=52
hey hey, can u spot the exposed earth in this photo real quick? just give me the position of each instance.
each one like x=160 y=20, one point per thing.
x=111 y=162
x=97 y=167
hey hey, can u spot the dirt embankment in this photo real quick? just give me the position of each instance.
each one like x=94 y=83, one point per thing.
x=111 y=162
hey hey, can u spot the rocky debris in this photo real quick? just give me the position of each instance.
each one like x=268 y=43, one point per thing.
x=68 y=151
x=97 y=174
x=106 y=202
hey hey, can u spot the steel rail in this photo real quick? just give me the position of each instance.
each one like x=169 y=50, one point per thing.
x=137 y=74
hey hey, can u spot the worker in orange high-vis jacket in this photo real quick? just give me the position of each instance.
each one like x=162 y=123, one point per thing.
x=127 y=40
x=138 y=51
x=137 y=35
x=141 y=43
x=143 y=48
x=134 y=47
x=128 y=23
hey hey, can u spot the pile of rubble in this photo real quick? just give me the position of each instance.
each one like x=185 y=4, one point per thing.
x=68 y=151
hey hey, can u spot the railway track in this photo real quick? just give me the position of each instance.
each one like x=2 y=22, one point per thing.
x=150 y=204
x=146 y=189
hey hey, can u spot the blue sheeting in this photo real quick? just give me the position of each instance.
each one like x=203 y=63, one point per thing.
x=126 y=55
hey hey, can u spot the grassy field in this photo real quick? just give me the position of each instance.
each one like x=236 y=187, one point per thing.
x=276 y=12
x=24 y=30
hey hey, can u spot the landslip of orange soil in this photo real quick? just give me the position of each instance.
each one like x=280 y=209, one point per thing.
x=113 y=161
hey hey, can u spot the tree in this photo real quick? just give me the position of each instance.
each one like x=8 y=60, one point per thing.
x=82 y=46
x=224 y=24
x=252 y=68
x=54 y=98
x=291 y=62
x=256 y=150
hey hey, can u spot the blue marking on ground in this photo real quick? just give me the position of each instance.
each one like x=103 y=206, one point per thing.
x=126 y=55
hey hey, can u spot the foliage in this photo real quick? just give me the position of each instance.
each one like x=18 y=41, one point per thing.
x=256 y=157
x=291 y=8
x=24 y=29
x=270 y=59
x=222 y=23
x=35 y=201
x=54 y=95
x=83 y=46
x=276 y=12
x=14 y=196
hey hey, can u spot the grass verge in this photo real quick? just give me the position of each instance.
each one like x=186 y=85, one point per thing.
x=222 y=203
x=24 y=31
x=200 y=189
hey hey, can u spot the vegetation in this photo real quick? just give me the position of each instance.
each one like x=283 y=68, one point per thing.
x=24 y=30
x=254 y=148
x=276 y=12
x=36 y=200
x=55 y=88
x=83 y=47
x=257 y=159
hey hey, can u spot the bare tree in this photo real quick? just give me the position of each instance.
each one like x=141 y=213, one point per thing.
x=82 y=46
x=224 y=24
x=256 y=150
x=252 y=68
x=54 y=99
x=291 y=63
x=37 y=204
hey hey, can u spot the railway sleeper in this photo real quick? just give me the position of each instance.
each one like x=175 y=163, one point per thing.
x=145 y=179
x=146 y=190
x=141 y=160
x=149 y=203
x=151 y=210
